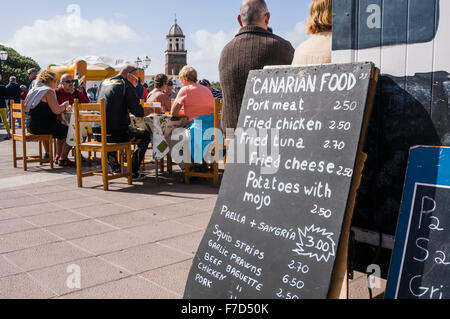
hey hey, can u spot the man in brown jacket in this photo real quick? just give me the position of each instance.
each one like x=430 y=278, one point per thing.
x=253 y=48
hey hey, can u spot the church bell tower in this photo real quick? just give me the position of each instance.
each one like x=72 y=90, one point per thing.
x=176 y=55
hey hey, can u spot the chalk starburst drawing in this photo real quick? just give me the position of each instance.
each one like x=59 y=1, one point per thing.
x=315 y=242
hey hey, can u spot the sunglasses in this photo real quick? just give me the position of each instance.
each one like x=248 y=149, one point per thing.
x=69 y=81
x=134 y=76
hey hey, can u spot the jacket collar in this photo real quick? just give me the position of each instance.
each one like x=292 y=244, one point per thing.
x=252 y=29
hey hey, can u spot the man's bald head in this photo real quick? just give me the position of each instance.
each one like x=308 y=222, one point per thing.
x=131 y=73
x=127 y=69
x=254 y=12
x=67 y=83
x=66 y=77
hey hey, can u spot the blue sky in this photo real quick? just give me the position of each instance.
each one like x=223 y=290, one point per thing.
x=49 y=32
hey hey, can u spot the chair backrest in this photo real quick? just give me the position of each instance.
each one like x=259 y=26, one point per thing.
x=218 y=103
x=17 y=112
x=89 y=113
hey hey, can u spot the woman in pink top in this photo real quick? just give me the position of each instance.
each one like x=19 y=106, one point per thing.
x=198 y=103
x=196 y=99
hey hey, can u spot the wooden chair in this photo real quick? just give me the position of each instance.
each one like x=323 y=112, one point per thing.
x=83 y=113
x=150 y=147
x=212 y=169
x=18 y=112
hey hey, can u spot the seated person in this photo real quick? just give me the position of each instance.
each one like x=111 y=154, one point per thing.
x=121 y=100
x=170 y=91
x=215 y=92
x=198 y=104
x=42 y=108
x=159 y=94
x=67 y=92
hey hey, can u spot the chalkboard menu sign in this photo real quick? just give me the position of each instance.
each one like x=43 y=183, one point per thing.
x=420 y=266
x=276 y=226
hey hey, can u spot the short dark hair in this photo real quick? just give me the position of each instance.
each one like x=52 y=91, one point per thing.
x=170 y=83
x=205 y=82
x=253 y=11
x=160 y=80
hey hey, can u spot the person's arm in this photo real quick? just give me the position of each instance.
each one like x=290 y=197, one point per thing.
x=56 y=108
x=178 y=103
x=133 y=102
x=176 y=109
x=82 y=97
x=166 y=104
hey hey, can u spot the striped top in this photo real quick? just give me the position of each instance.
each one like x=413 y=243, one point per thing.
x=216 y=93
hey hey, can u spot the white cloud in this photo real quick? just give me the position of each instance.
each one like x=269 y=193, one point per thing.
x=64 y=37
x=298 y=35
x=206 y=54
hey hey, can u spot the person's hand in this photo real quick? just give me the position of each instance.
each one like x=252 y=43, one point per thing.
x=65 y=105
x=69 y=108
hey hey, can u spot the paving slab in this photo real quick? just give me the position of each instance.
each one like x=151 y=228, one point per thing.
x=200 y=221
x=46 y=255
x=162 y=230
x=187 y=243
x=84 y=228
x=147 y=202
x=23 y=287
x=11 y=194
x=130 y=219
x=77 y=203
x=55 y=218
x=41 y=190
x=92 y=271
x=32 y=210
x=146 y=257
x=4 y=215
x=127 y=288
x=176 y=211
x=25 y=239
x=24 y=201
x=102 y=210
x=60 y=196
x=8 y=269
x=14 y=225
x=109 y=242
x=172 y=277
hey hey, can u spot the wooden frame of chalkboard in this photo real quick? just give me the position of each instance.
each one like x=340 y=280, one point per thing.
x=281 y=223
x=420 y=263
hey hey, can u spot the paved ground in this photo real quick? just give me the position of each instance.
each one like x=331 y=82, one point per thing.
x=131 y=242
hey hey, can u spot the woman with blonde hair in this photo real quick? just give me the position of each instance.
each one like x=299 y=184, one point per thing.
x=198 y=103
x=317 y=49
x=42 y=107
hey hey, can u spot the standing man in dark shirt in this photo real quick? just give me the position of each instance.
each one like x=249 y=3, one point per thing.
x=121 y=99
x=13 y=92
x=253 y=48
x=3 y=113
x=140 y=90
